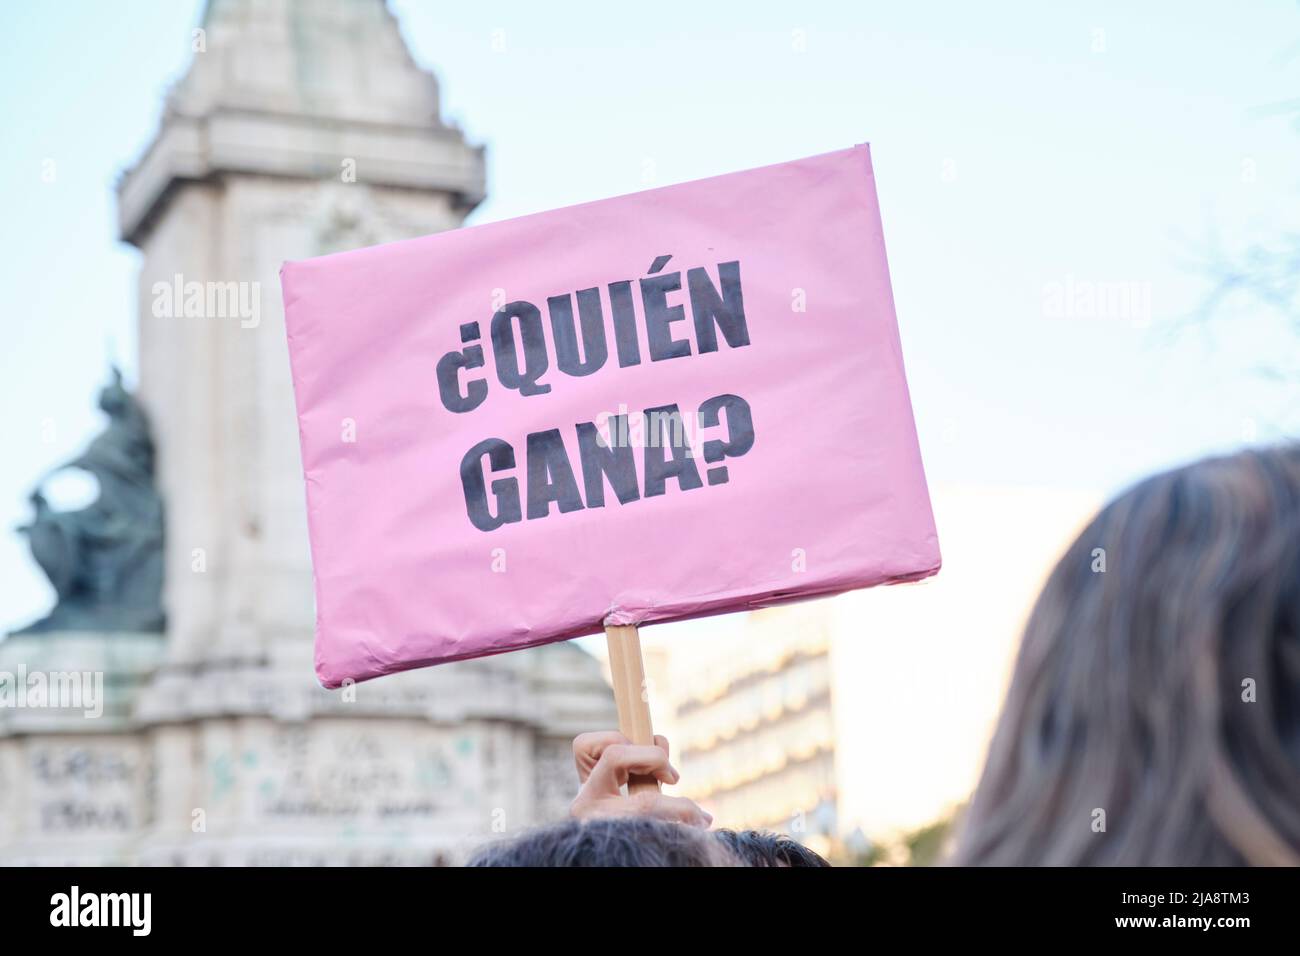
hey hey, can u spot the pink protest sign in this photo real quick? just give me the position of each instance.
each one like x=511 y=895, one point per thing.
x=669 y=404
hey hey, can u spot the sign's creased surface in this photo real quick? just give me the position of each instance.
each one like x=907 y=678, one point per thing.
x=669 y=404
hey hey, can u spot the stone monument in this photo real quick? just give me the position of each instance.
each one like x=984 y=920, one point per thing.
x=299 y=129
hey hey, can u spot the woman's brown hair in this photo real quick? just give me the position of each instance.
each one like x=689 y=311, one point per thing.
x=1154 y=711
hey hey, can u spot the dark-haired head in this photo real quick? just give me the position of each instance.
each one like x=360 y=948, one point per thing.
x=610 y=841
x=761 y=848
x=1154 y=712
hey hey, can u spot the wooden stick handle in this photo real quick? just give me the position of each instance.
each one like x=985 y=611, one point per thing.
x=627 y=671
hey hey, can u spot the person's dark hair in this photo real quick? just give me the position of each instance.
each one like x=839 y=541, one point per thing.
x=758 y=848
x=614 y=841
x=1154 y=712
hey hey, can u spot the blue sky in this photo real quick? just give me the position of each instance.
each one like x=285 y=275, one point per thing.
x=1017 y=146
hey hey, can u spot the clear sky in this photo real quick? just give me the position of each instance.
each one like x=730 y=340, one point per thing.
x=1019 y=148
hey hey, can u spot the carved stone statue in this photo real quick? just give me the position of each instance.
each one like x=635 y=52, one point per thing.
x=106 y=560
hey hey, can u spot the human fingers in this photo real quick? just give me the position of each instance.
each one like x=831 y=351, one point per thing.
x=588 y=747
x=618 y=761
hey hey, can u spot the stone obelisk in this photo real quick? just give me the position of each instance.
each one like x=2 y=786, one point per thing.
x=302 y=129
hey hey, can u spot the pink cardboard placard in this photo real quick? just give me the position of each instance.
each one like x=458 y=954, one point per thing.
x=482 y=474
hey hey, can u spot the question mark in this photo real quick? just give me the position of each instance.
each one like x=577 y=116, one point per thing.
x=740 y=433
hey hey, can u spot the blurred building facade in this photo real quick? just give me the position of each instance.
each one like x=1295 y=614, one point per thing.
x=756 y=731
x=300 y=129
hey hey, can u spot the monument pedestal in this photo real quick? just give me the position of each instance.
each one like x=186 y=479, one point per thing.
x=110 y=755
x=74 y=771
x=256 y=764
